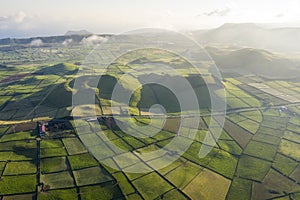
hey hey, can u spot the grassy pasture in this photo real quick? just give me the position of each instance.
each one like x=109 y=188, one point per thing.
x=151 y=185
x=135 y=143
x=74 y=146
x=284 y=164
x=240 y=189
x=55 y=164
x=82 y=161
x=101 y=151
x=123 y=183
x=90 y=139
x=208 y=185
x=4 y=99
x=234 y=102
x=58 y=194
x=83 y=176
x=53 y=152
x=271 y=131
x=230 y=146
x=172 y=125
x=249 y=125
x=266 y=138
x=104 y=191
x=183 y=175
x=2 y=165
x=253 y=115
x=18 y=146
x=223 y=162
x=193 y=150
x=17 y=168
x=173 y=194
x=17 y=136
x=294 y=128
x=163 y=135
x=218 y=160
x=172 y=166
x=122 y=144
x=290 y=149
x=271 y=123
x=53 y=143
x=251 y=101
x=134 y=197
x=261 y=150
x=18 y=154
x=21 y=184
x=110 y=135
x=241 y=136
x=274 y=185
x=236 y=117
x=3 y=129
x=19 y=197
x=252 y=168
x=58 y=180
x=294 y=120
x=296 y=174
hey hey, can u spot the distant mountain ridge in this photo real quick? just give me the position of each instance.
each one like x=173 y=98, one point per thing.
x=80 y=32
x=243 y=35
x=46 y=40
x=251 y=35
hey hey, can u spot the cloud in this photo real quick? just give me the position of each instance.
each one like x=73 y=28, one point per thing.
x=19 y=24
x=19 y=17
x=280 y=15
x=15 y=22
x=67 y=42
x=93 y=39
x=36 y=42
x=3 y=19
x=14 y=18
x=221 y=12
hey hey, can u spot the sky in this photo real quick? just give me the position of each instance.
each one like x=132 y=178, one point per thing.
x=19 y=18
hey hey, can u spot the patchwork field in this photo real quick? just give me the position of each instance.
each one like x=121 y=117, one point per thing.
x=254 y=155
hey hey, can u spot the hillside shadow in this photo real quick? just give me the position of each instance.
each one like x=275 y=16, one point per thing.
x=44 y=103
x=158 y=94
x=28 y=153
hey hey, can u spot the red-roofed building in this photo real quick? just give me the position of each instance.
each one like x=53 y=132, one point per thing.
x=41 y=129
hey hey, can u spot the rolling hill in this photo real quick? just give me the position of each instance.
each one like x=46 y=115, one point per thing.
x=59 y=69
x=257 y=61
x=251 y=35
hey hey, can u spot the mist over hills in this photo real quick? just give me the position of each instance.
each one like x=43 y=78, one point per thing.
x=255 y=61
x=242 y=35
x=245 y=48
x=49 y=40
x=251 y=35
x=75 y=37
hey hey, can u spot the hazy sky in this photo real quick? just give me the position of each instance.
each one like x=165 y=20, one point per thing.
x=19 y=18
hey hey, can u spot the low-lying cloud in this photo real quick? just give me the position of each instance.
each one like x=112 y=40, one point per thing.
x=67 y=42
x=36 y=42
x=218 y=12
x=93 y=39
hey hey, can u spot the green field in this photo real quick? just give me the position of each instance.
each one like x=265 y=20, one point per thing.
x=256 y=155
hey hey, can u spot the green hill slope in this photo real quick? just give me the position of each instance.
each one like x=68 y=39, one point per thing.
x=59 y=69
x=260 y=62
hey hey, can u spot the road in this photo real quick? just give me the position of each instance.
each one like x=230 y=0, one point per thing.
x=229 y=111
